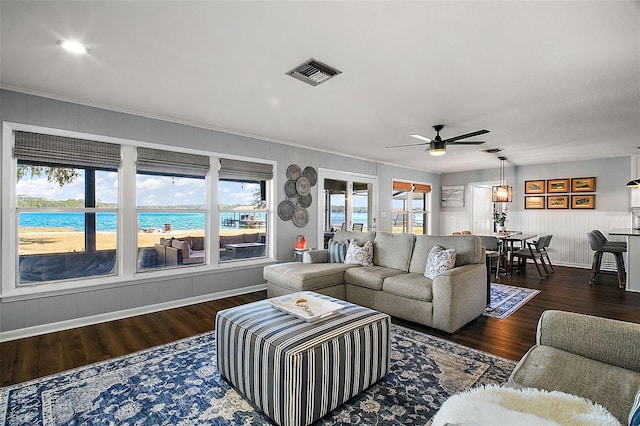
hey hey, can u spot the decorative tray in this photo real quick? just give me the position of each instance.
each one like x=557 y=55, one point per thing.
x=306 y=307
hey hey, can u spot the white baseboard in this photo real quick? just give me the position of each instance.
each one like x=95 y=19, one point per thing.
x=126 y=313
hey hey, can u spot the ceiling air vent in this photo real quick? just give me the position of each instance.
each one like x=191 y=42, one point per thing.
x=492 y=150
x=313 y=72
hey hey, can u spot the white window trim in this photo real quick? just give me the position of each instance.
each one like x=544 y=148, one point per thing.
x=410 y=212
x=127 y=221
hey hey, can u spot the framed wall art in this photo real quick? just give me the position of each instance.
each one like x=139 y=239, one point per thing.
x=557 y=201
x=557 y=185
x=583 y=201
x=534 y=202
x=534 y=186
x=453 y=196
x=585 y=184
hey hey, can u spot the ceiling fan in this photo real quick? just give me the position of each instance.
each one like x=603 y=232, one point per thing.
x=438 y=146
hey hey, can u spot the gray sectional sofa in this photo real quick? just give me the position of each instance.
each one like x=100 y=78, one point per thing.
x=396 y=283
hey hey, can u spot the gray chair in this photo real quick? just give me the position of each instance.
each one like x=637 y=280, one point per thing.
x=599 y=247
x=535 y=251
x=493 y=252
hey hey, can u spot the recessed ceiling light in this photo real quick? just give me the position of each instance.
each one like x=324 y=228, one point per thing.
x=73 y=46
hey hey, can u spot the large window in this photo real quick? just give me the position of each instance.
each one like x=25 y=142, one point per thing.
x=88 y=211
x=66 y=207
x=410 y=207
x=244 y=217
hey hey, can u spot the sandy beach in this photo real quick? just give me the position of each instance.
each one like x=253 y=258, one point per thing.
x=61 y=240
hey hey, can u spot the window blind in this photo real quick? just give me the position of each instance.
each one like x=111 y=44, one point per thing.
x=236 y=169
x=171 y=163
x=401 y=186
x=420 y=188
x=65 y=151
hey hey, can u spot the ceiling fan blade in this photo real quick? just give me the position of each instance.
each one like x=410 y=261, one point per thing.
x=467 y=135
x=408 y=144
x=466 y=143
x=422 y=138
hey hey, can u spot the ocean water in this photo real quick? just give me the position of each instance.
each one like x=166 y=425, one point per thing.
x=107 y=221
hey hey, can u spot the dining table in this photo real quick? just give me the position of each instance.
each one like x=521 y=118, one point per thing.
x=508 y=239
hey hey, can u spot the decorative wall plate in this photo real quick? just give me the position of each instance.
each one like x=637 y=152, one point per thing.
x=303 y=187
x=305 y=200
x=290 y=188
x=295 y=200
x=293 y=172
x=286 y=210
x=300 y=217
x=311 y=174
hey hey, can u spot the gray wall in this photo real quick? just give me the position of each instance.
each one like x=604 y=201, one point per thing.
x=20 y=312
x=569 y=227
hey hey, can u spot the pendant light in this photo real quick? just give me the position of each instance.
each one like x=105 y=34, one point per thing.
x=502 y=193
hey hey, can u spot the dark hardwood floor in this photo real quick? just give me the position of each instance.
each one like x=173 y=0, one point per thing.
x=566 y=289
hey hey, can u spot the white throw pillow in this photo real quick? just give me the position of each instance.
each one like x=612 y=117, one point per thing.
x=439 y=260
x=357 y=255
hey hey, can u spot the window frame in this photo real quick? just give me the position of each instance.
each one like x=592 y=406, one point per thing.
x=408 y=212
x=126 y=246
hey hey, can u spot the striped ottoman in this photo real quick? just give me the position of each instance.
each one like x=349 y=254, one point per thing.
x=296 y=371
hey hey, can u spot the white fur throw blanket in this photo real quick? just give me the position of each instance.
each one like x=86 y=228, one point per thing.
x=493 y=405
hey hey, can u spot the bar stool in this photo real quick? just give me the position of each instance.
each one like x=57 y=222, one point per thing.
x=599 y=247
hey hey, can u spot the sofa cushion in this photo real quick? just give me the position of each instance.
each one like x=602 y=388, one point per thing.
x=306 y=276
x=338 y=251
x=412 y=286
x=357 y=255
x=468 y=250
x=545 y=367
x=393 y=250
x=369 y=277
x=439 y=260
x=358 y=237
x=183 y=246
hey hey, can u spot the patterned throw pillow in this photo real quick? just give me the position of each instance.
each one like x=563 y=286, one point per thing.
x=337 y=251
x=634 y=415
x=357 y=255
x=439 y=260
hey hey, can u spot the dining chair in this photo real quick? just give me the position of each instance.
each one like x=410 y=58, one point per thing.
x=492 y=250
x=357 y=226
x=534 y=251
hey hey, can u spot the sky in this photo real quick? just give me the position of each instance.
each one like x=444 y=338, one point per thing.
x=152 y=191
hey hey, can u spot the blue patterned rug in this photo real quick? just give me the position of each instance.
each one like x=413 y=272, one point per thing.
x=178 y=384
x=506 y=299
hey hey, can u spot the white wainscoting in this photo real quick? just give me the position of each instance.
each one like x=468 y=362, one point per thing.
x=569 y=246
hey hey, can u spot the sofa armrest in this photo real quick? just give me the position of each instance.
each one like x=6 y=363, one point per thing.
x=602 y=339
x=459 y=296
x=172 y=256
x=315 y=256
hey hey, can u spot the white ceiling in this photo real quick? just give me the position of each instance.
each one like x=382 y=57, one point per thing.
x=552 y=81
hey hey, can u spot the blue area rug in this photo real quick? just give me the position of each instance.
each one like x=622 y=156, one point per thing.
x=506 y=299
x=179 y=384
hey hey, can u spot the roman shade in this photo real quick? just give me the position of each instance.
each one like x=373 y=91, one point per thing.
x=420 y=188
x=171 y=163
x=65 y=151
x=401 y=186
x=245 y=170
